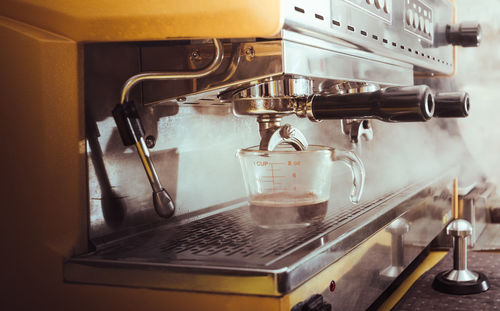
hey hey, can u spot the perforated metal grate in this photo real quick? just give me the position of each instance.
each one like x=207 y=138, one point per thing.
x=229 y=237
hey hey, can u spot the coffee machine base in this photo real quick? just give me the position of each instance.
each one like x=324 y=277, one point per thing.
x=223 y=252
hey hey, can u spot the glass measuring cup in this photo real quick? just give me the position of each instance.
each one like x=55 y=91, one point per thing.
x=288 y=188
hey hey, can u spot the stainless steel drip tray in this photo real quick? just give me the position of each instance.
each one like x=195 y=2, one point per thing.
x=226 y=252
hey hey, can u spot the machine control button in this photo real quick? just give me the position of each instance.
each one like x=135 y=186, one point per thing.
x=409 y=17
x=428 y=27
x=421 y=24
x=387 y=6
x=418 y=19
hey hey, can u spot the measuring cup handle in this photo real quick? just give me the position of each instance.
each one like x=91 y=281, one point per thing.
x=358 y=171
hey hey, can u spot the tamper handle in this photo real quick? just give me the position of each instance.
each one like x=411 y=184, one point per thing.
x=460 y=229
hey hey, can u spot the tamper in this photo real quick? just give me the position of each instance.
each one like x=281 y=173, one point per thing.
x=460 y=280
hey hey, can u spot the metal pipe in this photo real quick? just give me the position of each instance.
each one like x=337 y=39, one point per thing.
x=145 y=157
x=397 y=250
x=459 y=253
x=130 y=125
x=214 y=65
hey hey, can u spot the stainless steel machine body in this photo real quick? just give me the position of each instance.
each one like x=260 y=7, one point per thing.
x=210 y=244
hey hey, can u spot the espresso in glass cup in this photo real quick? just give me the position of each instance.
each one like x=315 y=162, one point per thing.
x=288 y=188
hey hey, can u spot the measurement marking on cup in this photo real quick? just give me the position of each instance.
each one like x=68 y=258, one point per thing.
x=273 y=177
x=266 y=163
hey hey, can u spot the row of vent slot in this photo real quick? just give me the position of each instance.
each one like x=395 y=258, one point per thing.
x=375 y=37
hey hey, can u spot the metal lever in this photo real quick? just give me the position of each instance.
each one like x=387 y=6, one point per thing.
x=397 y=229
x=132 y=131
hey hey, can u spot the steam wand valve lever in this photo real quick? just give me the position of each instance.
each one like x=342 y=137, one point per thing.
x=131 y=129
x=460 y=280
x=132 y=133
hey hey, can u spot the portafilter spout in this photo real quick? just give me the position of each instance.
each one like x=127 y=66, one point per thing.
x=272 y=134
x=269 y=102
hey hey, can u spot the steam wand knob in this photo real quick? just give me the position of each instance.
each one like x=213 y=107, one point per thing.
x=460 y=280
x=452 y=105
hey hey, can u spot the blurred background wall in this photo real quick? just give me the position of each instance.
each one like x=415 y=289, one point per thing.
x=478 y=73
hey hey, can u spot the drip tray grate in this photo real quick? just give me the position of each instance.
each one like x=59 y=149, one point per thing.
x=230 y=238
x=223 y=251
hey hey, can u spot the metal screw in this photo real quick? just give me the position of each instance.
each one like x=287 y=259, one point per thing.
x=287 y=131
x=196 y=56
x=181 y=99
x=150 y=141
x=249 y=53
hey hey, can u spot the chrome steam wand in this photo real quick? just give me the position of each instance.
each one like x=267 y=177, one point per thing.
x=132 y=131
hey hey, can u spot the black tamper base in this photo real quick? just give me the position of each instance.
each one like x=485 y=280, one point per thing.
x=460 y=288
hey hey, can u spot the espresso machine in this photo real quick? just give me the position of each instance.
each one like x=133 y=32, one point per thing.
x=189 y=137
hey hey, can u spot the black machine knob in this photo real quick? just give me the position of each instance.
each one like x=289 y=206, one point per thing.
x=466 y=34
x=392 y=104
x=452 y=105
x=313 y=303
